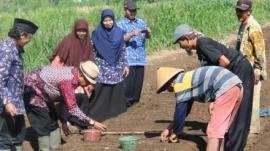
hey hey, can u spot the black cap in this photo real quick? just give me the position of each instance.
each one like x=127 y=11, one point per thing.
x=25 y=25
x=244 y=4
x=130 y=4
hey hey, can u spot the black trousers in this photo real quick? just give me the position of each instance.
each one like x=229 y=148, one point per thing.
x=133 y=84
x=236 y=138
x=12 y=131
x=43 y=121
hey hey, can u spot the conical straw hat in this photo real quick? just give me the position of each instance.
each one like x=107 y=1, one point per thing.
x=164 y=75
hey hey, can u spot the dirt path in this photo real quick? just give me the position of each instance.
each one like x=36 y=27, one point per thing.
x=154 y=112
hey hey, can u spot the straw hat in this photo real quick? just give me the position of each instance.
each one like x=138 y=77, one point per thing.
x=89 y=70
x=164 y=75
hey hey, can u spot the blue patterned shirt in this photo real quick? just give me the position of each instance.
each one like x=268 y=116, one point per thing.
x=135 y=47
x=11 y=75
x=111 y=74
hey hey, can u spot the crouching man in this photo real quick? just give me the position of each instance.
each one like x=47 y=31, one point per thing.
x=49 y=84
x=213 y=84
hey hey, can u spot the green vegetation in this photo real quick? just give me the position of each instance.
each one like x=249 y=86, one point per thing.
x=215 y=18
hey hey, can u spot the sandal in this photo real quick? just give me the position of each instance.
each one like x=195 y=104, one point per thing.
x=264 y=112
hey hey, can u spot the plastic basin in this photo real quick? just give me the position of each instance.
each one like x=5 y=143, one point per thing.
x=129 y=142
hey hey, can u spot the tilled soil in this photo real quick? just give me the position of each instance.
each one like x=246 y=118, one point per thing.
x=154 y=112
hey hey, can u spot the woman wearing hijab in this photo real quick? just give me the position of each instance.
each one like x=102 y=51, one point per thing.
x=108 y=99
x=76 y=47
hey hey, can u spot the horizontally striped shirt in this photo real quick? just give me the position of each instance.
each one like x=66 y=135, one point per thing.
x=204 y=84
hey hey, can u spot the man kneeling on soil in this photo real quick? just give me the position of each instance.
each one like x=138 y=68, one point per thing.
x=213 y=84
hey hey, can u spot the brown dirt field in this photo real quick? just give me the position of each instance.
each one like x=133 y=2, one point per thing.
x=154 y=112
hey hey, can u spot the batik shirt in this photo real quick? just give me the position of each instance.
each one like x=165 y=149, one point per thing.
x=251 y=43
x=51 y=84
x=11 y=75
x=135 y=47
x=110 y=74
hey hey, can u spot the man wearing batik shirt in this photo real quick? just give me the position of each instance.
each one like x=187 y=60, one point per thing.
x=250 y=42
x=52 y=84
x=12 y=126
x=136 y=31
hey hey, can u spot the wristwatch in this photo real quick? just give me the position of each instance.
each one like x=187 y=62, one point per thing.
x=92 y=122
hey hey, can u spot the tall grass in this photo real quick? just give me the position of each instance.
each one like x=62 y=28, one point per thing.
x=215 y=18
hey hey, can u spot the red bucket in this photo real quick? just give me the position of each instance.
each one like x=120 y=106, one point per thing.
x=91 y=135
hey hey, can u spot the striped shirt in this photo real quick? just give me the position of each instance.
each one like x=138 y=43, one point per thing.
x=204 y=84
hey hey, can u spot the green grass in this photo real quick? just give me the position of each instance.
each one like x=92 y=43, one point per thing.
x=215 y=18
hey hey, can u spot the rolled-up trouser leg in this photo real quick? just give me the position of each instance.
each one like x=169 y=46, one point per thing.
x=5 y=150
x=255 y=118
x=19 y=148
x=43 y=122
x=44 y=143
x=55 y=138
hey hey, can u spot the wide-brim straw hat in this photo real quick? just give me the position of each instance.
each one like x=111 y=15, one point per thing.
x=164 y=75
x=89 y=70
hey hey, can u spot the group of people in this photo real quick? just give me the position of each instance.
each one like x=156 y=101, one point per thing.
x=94 y=77
x=230 y=79
x=91 y=78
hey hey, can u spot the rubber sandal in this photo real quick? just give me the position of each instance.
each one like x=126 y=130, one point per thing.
x=264 y=112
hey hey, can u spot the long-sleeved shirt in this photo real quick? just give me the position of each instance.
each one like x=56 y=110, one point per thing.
x=250 y=42
x=109 y=74
x=202 y=84
x=11 y=75
x=135 y=47
x=53 y=84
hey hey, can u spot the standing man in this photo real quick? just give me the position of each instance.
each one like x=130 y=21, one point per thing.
x=211 y=52
x=250 y=42
x=136 y=31
x=12 y=125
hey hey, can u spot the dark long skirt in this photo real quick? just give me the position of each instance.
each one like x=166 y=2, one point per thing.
x=236 y=138
x=12 y=131
x=107 y=101
x=133 y=84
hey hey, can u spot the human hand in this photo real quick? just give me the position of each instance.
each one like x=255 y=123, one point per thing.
x=164 y=136
x=257 y=77
x=98 y=125
x=11 y=109
x=57 y=62
x=126 y=71
x=211 y=107
x=136 y=32
x=89 y=89
x=147 y=32
x=65 y=129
